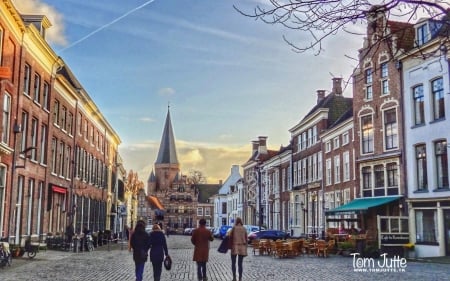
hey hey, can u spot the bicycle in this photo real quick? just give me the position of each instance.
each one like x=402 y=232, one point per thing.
x=31 y=249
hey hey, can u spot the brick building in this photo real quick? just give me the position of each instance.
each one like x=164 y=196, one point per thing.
x=58 y=152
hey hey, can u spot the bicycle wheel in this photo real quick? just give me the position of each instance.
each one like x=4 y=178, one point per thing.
x=31 y=254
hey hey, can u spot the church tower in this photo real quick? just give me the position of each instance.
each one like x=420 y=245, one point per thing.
x=167 y=166
x=167 y=184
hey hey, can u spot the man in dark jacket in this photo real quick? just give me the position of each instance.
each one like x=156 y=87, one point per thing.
x=200 y=238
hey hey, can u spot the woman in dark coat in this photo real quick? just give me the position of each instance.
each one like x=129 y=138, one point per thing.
x=140 y=244
x=200 y=238
x=158 y=249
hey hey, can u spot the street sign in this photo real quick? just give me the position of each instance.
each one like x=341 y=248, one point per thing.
x=123 y=210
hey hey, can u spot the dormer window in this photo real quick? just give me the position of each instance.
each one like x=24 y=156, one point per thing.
x=422 y=34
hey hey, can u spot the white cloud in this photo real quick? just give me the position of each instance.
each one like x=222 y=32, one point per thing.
x=166 y=92
x=147 y=119
x=55 y=34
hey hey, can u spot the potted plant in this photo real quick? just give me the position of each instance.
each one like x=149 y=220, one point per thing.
x=346 y=248
x=408 y=250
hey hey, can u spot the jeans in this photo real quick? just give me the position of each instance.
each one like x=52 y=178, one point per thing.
x=157 y=269
x=201 y=270
x=233 y=265
x=139 y=270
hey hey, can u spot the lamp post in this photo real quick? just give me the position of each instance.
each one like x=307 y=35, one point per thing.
x=314 y=215
x=305 y=212
x=258 y=169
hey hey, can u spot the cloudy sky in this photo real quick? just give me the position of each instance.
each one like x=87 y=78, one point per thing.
x=228 y=78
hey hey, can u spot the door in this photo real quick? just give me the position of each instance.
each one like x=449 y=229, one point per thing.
x=447 y=231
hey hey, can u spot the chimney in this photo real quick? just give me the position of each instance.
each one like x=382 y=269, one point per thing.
x=337 y=86
x=255 y=145
x=262 y=149
x=320 y=95
x=235 y=169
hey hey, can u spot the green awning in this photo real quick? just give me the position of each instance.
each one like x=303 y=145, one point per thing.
x=362 y=205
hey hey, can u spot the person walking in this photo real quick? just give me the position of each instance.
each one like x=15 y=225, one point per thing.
x=238 y=236
x=158 y=248
x=200 y=238
x=139 y=243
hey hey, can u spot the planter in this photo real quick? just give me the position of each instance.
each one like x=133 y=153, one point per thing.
x=410 y=254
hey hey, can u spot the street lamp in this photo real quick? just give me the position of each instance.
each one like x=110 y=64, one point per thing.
x=305 y=211
x=313 y=199
x=258 y=170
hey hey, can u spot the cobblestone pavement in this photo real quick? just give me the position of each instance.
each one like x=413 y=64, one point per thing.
x=117 y=264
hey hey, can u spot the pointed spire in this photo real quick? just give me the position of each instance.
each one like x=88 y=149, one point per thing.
x=167 y=151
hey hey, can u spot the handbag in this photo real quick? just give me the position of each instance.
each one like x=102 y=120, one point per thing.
x=223 y=247
x=230 y=240
x=168 y=262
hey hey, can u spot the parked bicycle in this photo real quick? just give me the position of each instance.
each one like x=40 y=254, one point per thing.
x=31 y=249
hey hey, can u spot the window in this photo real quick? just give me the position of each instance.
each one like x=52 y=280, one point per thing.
x=207 y=211
x=369 y=92
x=440 y=150
x=337 y=169
x=295 y=173
x=379 y=176
x=314 y=134
x=23 y=142
x=366 y=134
x=45 y=93
x=34 y=137
x=368 y=74
x=421 y=35
x=328 y=146
x=390 y=129
x=26 y=79
x=368 y=80
x=346 y=157
x=336 y=143
x=6 y=118
x=63 y=118
x=438 y=98
x=421 y=167
x=419 y=114
x=61 y=159
x=310 y=137
x=384 y=78
x=43 y=147
x=56 y=112
x=37 y=88
x=426 y=226
x=54 y=155
x=299 y=142
x=366 y=178
x=328 y=171
x=345 y=138
x=392 y=174
x=69 y=123
x=304 y=140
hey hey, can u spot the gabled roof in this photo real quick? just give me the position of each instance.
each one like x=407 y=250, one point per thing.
x=167 y=151
x=232 y=179
x=205 y=191
x=337 y=105
x=405 y=33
